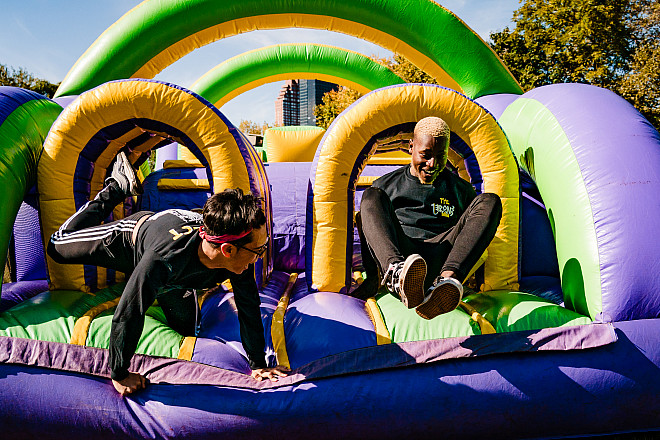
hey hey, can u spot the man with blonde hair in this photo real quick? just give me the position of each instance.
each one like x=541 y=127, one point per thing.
x=423 y=227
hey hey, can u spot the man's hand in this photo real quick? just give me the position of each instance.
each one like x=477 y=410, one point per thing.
x=133 y=382
x=270 y=373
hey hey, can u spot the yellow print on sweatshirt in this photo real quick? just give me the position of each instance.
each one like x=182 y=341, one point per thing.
x=444 y=208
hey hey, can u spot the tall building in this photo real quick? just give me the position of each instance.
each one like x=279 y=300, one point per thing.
x=287 y=104
x=311 y=95
x=297 y=99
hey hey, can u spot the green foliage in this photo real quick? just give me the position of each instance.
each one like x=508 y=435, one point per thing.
x=641 y=84
x=406 y=70
x=555 y=41
x=607 y=43
x=22 y=78
x=251 y=127
x=333 y=103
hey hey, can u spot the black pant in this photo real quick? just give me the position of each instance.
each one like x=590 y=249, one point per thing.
x=457 y=249
x=84 y=239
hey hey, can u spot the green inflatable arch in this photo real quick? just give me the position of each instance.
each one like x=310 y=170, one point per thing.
x=22 y=134
x=156 y=33
x=285 y=61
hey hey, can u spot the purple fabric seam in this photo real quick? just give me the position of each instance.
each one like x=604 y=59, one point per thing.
x=94 y=361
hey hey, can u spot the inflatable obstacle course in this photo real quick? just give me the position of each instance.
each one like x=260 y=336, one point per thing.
x=562 y=307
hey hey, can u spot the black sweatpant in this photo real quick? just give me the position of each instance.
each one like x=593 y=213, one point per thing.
x=457 y=249
x=84 y=239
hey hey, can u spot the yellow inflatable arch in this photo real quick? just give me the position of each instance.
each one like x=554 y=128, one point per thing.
x=341 y=157
x=134 y=116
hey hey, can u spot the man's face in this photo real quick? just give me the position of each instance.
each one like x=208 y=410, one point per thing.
x=250 y=252
x=429 y=157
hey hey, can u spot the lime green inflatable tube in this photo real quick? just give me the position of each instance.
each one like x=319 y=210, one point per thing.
x=22 y=134
x=156 y=33
x=308 y=61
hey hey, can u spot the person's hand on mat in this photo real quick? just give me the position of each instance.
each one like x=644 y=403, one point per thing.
x=132 y=383
x=270 y=373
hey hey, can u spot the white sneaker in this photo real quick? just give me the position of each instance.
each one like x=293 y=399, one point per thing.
x=124 y=174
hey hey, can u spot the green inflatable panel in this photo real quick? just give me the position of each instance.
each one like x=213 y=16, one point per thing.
x=507 y=311
x=51 y=316
x=406 y=325
x=156 y=33
x=252 y=69
x=157 y=338
x=536 y=137
x=514 y=311
x=22 y=135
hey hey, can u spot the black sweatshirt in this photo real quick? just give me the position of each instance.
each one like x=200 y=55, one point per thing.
x=167 y=263
x=426 y=210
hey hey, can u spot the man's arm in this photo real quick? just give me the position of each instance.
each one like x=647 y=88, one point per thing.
x=128 y=320
x=248 y=304
x=246 y=295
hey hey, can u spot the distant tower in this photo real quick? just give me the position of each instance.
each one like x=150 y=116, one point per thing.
x=287 y=104
x=311 y=95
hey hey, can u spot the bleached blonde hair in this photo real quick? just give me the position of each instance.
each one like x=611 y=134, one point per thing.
x=432 y=126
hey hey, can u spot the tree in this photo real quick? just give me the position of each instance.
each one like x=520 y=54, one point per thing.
x=641 y=85
x=336 y=101
x=406 y=70
x=333 y=103
x=608 y=43
x=555 y=41
x=251 y=127
x=22 y=78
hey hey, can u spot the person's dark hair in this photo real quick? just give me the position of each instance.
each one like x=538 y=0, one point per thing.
x=233 y=212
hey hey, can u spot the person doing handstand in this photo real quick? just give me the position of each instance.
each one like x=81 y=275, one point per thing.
x=425 y=226
x=167 y=256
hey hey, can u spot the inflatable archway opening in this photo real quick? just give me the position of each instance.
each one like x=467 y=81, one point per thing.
x=135 y=116
x=392 y=147
x=346 y=147
x=456 y=57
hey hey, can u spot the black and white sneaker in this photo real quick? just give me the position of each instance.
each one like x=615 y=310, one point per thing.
x=442 y=297
x=406 y=279
x=124 y=174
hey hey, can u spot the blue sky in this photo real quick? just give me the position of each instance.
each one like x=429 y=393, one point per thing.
x=46 y=37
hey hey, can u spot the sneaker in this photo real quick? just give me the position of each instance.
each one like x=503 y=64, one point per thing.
x=124 y=174
x=442 y=297
x=406 y=279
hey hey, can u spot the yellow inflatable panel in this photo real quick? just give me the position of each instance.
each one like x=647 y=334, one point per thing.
x=292 y=144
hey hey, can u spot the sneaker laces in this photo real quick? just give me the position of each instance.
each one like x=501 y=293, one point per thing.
x=391 y=277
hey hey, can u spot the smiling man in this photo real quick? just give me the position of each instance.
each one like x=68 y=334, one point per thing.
x=168 y=256
x=423 y=227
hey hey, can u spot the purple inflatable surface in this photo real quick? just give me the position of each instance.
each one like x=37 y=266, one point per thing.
x=562 y=391
x=15 y=293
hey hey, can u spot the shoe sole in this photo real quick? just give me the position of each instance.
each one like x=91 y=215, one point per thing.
x=413 y=274
x=444 y=299
x=135 y=186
